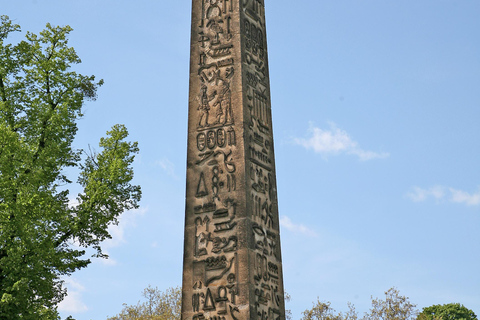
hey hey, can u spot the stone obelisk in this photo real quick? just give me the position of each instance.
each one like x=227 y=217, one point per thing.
x=232 y=261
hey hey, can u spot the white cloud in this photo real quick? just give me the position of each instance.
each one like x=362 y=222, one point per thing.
x=336 y=141
x=126 y=220
x=443 y=193
x=167 y=166
x=109 y=262
x=418 y=194
x=296 y=228
x=364 y=155
x=460 y=196
x=73 y=301
x=72 y=203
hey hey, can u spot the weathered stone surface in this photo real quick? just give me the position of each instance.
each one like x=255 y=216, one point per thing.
x=232 y=260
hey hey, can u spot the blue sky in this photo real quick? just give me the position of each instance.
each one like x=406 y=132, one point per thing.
x=376 y=110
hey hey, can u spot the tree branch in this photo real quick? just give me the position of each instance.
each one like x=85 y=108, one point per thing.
x=2 y=89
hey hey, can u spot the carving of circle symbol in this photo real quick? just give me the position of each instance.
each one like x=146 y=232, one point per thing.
x=214 y=138
x=201 y=141
x=213 y=2
x=222 y=293
x=211 y=141
x=221 y=138
x=215 y=179
x=267 y=144
x=231 y=278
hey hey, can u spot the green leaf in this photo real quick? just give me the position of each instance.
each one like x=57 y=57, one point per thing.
x=41 y=100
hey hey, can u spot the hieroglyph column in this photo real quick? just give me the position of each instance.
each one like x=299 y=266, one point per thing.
x=232 y=261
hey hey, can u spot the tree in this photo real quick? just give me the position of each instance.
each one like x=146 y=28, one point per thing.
x=450 y=311
x=158 y=306
x=288 y=312
x=41 y=100
x=163 y=306
x=394 y=307
x=323 y=311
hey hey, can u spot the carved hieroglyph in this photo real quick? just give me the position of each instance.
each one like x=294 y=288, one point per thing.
x=232 y=261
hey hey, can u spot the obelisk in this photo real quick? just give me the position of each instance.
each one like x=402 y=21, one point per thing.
x=232 y=261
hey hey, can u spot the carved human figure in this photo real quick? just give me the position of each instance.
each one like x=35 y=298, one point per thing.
x=205 y=106
x=215 y=26
x=213 y=10
x=224 y=105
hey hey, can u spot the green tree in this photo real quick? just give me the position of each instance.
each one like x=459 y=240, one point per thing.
x=159 y=305
x=450 y=311
x=41 y=100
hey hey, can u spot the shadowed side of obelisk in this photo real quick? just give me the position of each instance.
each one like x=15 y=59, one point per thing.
x=266 y=290
x=232 y=263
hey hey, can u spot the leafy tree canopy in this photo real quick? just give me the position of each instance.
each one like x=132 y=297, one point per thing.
x=450 y=311
x=41 y=100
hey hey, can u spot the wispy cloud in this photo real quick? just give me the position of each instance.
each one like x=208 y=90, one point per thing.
x=463 y=197
x=72 y=203
x=73 y=301
x=440 y=193
x=286 y=223
x=167 y=166
x=334 y=141
x=419 y=194
x=127 y=220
